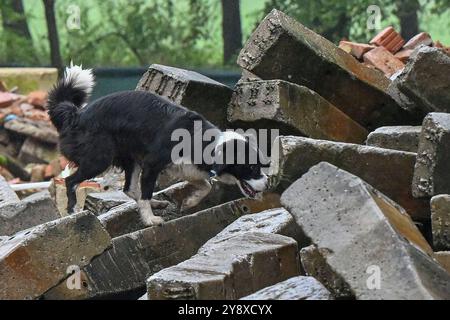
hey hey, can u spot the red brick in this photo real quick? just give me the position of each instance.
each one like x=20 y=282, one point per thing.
x=422 y=38
x=403 y=55
x=384 y=61
x=7 y=99
x=37 y=98
x=356 y=49
x=390 y=39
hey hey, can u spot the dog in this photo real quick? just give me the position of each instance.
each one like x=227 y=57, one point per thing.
x=133 y=130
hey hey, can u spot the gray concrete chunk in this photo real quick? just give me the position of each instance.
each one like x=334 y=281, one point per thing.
x=292 y=109
x=298 y=288
x=7 y=195
x=389 y=171
x=440 y=222
x=370 y=241
x=431 y=173
x=403 y=138
x=282 y=48
x=189 y=89
x=277 y=221
x=34 y=210
x=101 y=202
x=122 y=270
x=34 y=260
x=425 y=80
x=230 y=269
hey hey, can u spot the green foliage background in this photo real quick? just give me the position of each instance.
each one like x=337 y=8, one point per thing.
x=188 y=32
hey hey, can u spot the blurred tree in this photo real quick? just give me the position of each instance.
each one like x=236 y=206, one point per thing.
x=53 y=37
x=348 y=19
x=231 y=29
x=17 y=36
x=407 y=13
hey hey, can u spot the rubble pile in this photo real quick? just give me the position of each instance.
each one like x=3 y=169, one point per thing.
x=359 y=206
x=28 y=140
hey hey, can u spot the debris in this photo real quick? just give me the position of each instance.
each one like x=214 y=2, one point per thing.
x=282 y=105
x=189 y=89
x=384 y=60
x=315 y=264
x=389 y=171
x=34 y=260
x=389 y=39
x=231 y=269
x=356 y=49
x=366 y=234
x=29 y=212
x=40 y=130
x=431 y=174
x=422 y=38
x=444 y=259
x=282 y=48
x=145 y=252
x=425 y=81
x=297 y=288
x=403 y=138
x=440 y=222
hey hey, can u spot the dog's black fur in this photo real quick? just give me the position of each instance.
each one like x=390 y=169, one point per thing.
x=122 y=130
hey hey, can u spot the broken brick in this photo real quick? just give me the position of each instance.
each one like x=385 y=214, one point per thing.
x=403 y=55
x=37 y=98
x=7 y=99
x=356 y=49
x=422 y=38
x=384 y=61
x=389 y=39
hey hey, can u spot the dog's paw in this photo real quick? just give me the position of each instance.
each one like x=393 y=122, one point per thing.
x=159 y=204
x=150 y=221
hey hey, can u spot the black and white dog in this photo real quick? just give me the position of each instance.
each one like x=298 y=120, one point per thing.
x=133 y=130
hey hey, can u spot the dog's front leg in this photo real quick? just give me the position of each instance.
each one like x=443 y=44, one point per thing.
x=133 y=190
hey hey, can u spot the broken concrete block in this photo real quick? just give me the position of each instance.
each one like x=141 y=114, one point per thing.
x=297 y=288
x=425 y=80
x=34 y=151
x=440 y=222
x=431 y=174
x=189 y=89
x=314 y=263
x=355 y=49
x=293 y=109
x=389 y=39
x=123 y=269
x=34 y=260
x=231 y=269
x=277 y=221
x=101 y=202
x=372 y=242
x=444 y=259
x=40 y=130
x=384 y=61
x=282 y=48
x=7 y=195
x=403 y=138
x=125 y=218
x=422 y=38
x=294 y=156
x=122 y=219
x=31 y=211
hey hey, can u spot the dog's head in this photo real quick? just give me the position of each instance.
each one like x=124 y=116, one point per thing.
x=241 y=164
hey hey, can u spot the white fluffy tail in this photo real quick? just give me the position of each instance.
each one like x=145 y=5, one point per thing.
x=79 y=78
